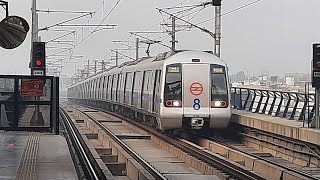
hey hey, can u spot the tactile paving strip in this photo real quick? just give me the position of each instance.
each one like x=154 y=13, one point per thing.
x=28 y=165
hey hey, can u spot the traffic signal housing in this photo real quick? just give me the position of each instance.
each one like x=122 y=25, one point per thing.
x=216 y=2
x=38 y=55
x=316 y=66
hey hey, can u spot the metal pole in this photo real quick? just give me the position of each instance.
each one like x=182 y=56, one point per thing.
x=173 y=33
x=103 y=67
x=34 y=30
x=88 y=72
x=116 y=58
x=137 y=48
x=95 y=67
x=217 y=38
x=317 y=93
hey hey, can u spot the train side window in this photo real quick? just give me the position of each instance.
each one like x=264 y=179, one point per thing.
x=123 y=87
x=96 y=88
x=100 y=87
x=114 y=87
x=119 y=86
x=87 y=90
x=146 y=82
x=156 y=97
x=118 y=77
x=128 y=88
x=110 y=87
x=137 y=82
x=96 y=83
x=103 y=87
x=90 y=89
x=107 y=87
x=145 y=89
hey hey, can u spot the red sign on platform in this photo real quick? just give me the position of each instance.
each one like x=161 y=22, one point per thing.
x=31 y=87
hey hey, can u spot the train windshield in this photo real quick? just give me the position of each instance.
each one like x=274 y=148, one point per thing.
x=219 y=85
x=173 y=83
x=218 y=80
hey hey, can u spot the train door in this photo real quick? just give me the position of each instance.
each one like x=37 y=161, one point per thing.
x=196 y=93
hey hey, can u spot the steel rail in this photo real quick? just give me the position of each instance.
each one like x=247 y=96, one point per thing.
x=256 y=156
x=154 y=172
x=91 y=171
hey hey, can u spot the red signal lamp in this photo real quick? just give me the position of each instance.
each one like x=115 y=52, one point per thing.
x=38 y=62
x=318 y=65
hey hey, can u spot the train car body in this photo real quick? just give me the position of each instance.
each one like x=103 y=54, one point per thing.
x=184 y=89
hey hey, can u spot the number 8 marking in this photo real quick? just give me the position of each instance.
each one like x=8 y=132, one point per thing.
x=196 y=104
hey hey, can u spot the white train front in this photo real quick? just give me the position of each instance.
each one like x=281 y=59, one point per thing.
x=183 y=89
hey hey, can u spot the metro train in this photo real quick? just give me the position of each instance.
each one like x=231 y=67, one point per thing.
x=174 y=90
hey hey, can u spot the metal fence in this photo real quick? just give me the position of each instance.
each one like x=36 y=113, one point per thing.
x=290 y=105
x=29 y=103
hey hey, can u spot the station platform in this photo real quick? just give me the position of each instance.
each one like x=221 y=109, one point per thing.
x=32 y=155
x=281 y=126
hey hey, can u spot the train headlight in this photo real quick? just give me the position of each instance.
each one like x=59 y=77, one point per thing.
x=176 y=103
x=173 y=103
x=219 y=104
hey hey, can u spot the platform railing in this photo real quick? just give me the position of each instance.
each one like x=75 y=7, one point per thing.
x=29 y=103
x=290 y=105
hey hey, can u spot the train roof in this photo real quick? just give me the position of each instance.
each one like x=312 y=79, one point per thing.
x=165 y=58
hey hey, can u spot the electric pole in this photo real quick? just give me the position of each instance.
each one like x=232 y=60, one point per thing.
x=103 y=66
x=88 y=68
x=34 y=29
x=217 y=37
x=137 y=48
x=173 y=33
x=117 y=58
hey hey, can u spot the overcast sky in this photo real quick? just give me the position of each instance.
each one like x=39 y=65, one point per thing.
x=270 y=36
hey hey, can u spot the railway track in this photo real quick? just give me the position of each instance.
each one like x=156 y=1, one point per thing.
x=199 y=158
x=270 y=166
x=227 y=159
x=89 y=168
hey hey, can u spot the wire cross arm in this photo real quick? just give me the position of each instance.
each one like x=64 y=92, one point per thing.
x=194 y=25
x=87 y=25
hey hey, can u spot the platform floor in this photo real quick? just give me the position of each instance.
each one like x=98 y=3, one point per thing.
x=25 y=155
x=282 y=126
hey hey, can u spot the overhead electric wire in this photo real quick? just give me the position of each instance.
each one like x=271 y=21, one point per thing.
x=231 y=11
x=101 y=22
x=55 y=11
x=113 y=8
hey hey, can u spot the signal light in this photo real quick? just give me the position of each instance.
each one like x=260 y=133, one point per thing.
x=38 y=55
x=316 y=56
x=38 y=62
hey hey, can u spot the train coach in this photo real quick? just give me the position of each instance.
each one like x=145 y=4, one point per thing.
x=176 y=89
